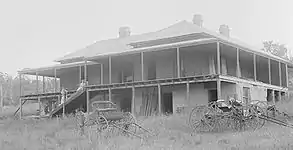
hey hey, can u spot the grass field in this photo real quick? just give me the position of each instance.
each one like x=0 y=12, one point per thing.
x=170 y=132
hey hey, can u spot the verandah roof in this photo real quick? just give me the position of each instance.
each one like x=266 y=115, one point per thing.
x=49 y=71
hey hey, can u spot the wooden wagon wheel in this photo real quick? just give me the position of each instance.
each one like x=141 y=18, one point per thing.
x=129 y=123
x=101 y=123
x=202 y=119
x=253 y=119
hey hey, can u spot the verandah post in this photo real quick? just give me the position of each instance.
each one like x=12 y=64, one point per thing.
x=133 y=101
x=280 y=74
x=219 y=90
x=237 y=63
x=20 y=100
x=110 y=70
x=102 y=74
x=159 y=99
x=254 y=67
x=218 y=59
x=178 y=62
x=142 y=66
x=269 y=66
x=37 y=92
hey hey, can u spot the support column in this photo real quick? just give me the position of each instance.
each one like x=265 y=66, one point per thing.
x=80 y=74
x=37 y=92
x=254 y=67
x=142 y=66
x=2 y=97
x=63 y=109
x=159 y=99
x=270 y=76
x=237 y=64
x=218 y=59
x=85 y=73
x=178 y=62
x=133 y=101
x=44 y=85
x=219 y=90
x=55 y=80
x=187 y=92
x=87 y=101
x=110 y=94
x=20 y=100
x=110 y=70
x=102 y=73
x=280 y=74
x=287 y=79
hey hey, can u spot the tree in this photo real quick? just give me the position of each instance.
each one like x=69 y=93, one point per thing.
x=276 y=49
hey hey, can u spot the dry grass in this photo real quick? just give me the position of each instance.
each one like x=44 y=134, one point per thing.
x=170 y=133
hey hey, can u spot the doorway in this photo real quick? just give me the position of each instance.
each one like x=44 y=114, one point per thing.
x=213 y=95
x=167 y=103
x=152 y=70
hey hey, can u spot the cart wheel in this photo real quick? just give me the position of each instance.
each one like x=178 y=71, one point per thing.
x=102 y=123
x=129 y=123
x=261 y=104
x=202 y=119
x=253 y=117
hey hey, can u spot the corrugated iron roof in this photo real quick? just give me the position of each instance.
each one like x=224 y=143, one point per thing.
x=118 y=45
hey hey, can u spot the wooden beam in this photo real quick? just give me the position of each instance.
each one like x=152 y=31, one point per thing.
x=218 y=59
x=142 y=66
x=88 y=101
x=102 y=73
x=55 y=80
x=219 y=89
x=178 y=62
x=270 y=75
x=187 y=92
x=254 y=67
x=280 y=74
x=110 y=70
x=287 y=79
x=133 y=101
x=237 y=64
x=159 y=99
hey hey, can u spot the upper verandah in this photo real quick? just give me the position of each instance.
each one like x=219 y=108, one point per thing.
x=181 y=31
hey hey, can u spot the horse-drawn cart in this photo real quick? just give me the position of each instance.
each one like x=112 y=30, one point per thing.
x=106 y=116
x=222 y=114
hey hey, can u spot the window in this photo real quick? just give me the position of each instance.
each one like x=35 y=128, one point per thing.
x=246 y=95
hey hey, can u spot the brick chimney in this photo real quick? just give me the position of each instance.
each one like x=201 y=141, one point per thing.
x=198 y=20
x=124 y=32
x=224 y=30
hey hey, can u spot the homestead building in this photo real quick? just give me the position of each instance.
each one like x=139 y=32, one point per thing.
x=164 y=71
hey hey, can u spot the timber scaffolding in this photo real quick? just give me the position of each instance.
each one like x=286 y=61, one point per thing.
x=136 y=84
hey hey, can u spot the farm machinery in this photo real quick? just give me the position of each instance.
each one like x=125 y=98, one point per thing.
x=106 y=117
x=232 y=114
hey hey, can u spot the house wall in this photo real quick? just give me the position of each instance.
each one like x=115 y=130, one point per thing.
x=70 y=78
x=94 y=74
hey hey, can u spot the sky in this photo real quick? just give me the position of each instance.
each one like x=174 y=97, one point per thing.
x=35 y=32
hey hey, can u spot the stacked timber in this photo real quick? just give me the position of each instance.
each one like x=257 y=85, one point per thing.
x=149 y=101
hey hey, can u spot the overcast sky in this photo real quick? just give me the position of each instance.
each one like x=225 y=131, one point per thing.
x=35 y=32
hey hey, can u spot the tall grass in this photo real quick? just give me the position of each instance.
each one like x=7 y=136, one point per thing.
x=170 y=132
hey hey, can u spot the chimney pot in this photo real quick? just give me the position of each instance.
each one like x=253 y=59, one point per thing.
x=124 y=32
x=197 y=19
x=224 y=30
